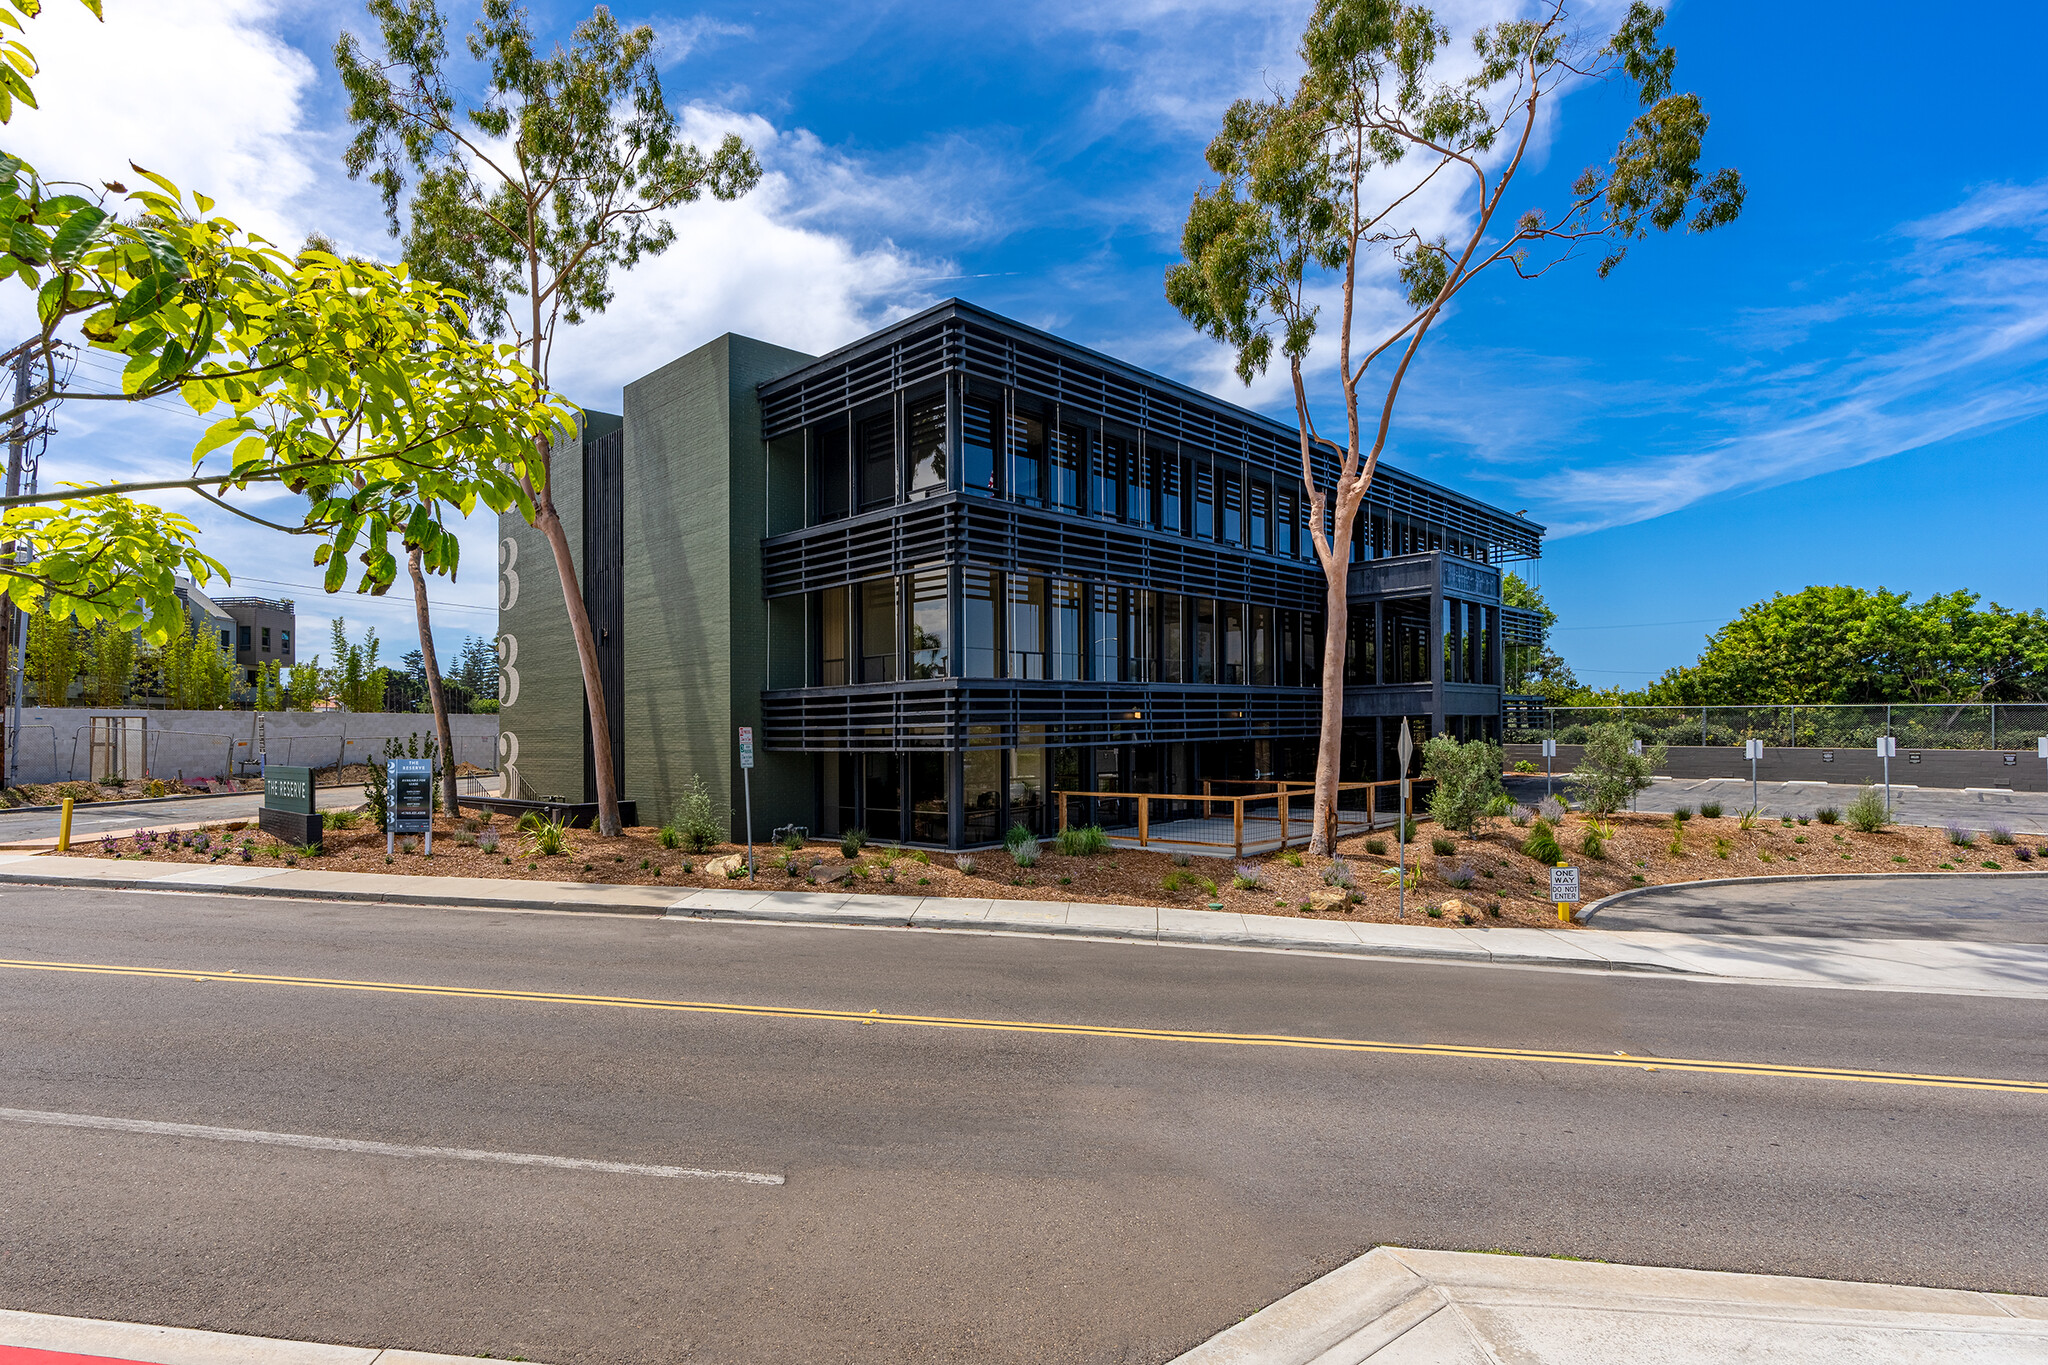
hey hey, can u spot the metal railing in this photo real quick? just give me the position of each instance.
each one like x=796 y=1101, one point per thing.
x=1277 y=817
x=1938 y=725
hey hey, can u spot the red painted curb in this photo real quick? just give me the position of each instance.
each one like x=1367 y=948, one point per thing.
x=29 y=1355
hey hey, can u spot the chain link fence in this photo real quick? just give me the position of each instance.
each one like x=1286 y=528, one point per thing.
x=1988 y=725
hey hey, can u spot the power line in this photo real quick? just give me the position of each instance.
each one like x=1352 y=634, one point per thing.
x=1644 y=625
x=309 y=587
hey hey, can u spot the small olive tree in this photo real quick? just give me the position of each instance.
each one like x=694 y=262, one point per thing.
x=1467 y=780
x=1610 y=771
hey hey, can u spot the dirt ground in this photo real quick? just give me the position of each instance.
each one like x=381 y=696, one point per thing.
x=1484 y=878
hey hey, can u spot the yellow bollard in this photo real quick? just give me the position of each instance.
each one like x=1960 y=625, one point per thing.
x=64 y=828
x=1564 y=913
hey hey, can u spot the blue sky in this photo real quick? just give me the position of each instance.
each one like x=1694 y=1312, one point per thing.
x=1846 y=386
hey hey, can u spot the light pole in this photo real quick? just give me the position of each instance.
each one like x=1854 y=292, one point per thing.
x=1888 y=749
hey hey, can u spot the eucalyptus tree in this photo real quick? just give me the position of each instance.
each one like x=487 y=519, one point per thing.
x=1327 y=189
x=565 y=168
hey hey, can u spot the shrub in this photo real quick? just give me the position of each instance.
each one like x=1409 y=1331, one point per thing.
x=1520 y=817
x=2023 y=853
x=965 y=862
x=1019 y=832
x=2001 y=834
x=1025 y=854
x=791 y=840
x=1291 y=858
x=1552 y=808
x=1174 y=881
x=1408 y=829
x=1722 y=847
x=1594 y=842
x=1542 y=843
x=1747 y=818
x=1710 y=810
x=1828 y=815
x=1208 y=887
x=1246 y=877
x=530 y=822
x=551 y=838
x=1182 y=858
x=1609 y=772
x=203 y=841
x=1681 y=814
x=306 y=851
x=1443 y=846
x=1804 y=818
x=668 y=836
x=488 y=841
x=344 y=819
x=1082 y=841
x=1338 y=873
x=1467 y=780
x=852 y=842
x=1525 y=766
x=1376 y=846
x=1459 y=875
x=1990 y=863
x=1500 y=805
x=1867 y=812
x=1958 y=835
x=697 y=818
x=1434 y=912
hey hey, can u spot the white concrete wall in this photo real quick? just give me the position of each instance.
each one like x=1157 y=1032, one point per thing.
x=56 y=743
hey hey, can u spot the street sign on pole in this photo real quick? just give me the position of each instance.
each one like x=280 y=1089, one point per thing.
x=747 y=785
x=1406 y=749
x=1564 y=889
x=1888 y=749
x=1549 y=753
x=1752 y=749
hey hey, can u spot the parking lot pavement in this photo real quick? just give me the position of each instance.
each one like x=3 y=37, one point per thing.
x=1930 y=807
x=1993 y=908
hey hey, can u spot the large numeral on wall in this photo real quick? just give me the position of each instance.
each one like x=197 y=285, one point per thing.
x=508 y=577
x=508 y=670
x=508 y=763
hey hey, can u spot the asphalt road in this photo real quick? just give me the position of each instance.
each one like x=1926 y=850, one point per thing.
x=972 y=1194
x=1988 y=909
x=1930 y=807
x=98 y=817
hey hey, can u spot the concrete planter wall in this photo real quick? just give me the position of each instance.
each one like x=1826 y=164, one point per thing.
x=2017 y=770
x=56 y=743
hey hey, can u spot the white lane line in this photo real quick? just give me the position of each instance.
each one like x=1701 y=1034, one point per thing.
x=330 y=1144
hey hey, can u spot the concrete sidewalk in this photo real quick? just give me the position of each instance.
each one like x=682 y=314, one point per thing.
x=1909 y=964
x=1394 y=1306
x=67 y=1340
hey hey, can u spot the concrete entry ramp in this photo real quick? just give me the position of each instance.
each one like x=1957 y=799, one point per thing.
x=1393 y=1306
x=1990 y=907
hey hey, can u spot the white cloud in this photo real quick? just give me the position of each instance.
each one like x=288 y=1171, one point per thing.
x=202 y=91
x=678 y=38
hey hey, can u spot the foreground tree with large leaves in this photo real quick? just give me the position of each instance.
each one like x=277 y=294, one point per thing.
x=528 y=200
x=1328 y=185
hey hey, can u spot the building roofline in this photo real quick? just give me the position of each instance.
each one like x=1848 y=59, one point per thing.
x=961 y=308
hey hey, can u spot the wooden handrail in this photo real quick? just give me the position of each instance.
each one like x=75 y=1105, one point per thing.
x=1207 y=799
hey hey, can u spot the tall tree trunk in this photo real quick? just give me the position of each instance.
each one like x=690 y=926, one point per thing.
x=549 y=523
x=1330 y=744
x=450 y=796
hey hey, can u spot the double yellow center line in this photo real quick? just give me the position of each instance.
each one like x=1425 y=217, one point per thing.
x=1146 y=1035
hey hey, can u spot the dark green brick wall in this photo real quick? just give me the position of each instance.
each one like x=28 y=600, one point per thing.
x=695 y=624
x=545 y=720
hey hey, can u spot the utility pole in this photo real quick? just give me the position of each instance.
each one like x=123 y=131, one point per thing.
x=14 y=638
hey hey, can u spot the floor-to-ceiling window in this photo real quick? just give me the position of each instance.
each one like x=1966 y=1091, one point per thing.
x=1204 y=610
x=1063 y=643
x=878 y=630
x=981 y=619
x=1069 y=451
x=1026 y=625
x=927 y=448
x=832 y=633
x=1106 y=634
x=877 y=461
x=981 y=791
x=882 y=795
x=1233 y=655
x=1027 y=456
x=931 y=623
x=930 y=796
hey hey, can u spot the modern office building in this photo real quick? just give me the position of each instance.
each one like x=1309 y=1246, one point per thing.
x=960 y=564
x=263 y=631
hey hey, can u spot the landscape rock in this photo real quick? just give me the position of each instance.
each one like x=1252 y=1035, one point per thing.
x=726 y=866
x=1329 y=898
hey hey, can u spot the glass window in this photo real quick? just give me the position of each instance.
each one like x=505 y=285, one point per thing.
x=928 y=797
x=266 y=639
x=1105 y=469
x=1027 y=458
x=284 y=642
x=1312 y=650
x=1284 y=517
x=1141 y=636
x=1063 y=631
x=878 y=630
x=1357 y=648
x=1106 y=664
x=1027 y=778
x=928 y=448
x=1068 y=445
x=1137 y=463
x=1205 y=640
x=1027 y=625
x=241 y=637
x=884 y=795
x=877 y=462
x=830 y=474
x=980 y=420
x=981 y=773
x=1233 y=643
x=1204 y=480
x=981 y=611
x=1232 y=532
x=1172 y=638
x=832 y=637
x=1261 y=513
x=1261 y=643
x=930 y=623
x=1290 y=648
x=1170 y=498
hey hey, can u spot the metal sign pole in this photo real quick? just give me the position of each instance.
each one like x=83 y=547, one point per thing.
x=747 y=787
x=1888 y=745
x=1406 y=749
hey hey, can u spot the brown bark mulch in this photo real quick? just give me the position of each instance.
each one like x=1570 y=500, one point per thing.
x=1503 y=885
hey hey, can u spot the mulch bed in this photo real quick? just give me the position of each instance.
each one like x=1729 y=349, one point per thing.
x=1503 y=885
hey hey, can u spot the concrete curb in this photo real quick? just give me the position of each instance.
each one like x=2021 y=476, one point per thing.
x=188 y=796
x=309 y=893
x=1588 y=911
x=134 y=1341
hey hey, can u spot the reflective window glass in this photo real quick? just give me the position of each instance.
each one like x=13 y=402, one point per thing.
x=928 y=447
x=1106 y=635
x=981 y=608
x=1170 y=496
x=1205 y=640
x=1105 y=469
x=930 y=624
x=1172 y=638
x=831 y=474
x=1233 y=643
x=877 y=462
x=1232 y=532
x=1027 y=625
x=1260 y=642
x=1069 y=443
x=878 y=630
x=1063 y=631
x=981 y=789
x=1027 y=458
x=831 y=608
x=1205 y=502
x=1261 y=513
